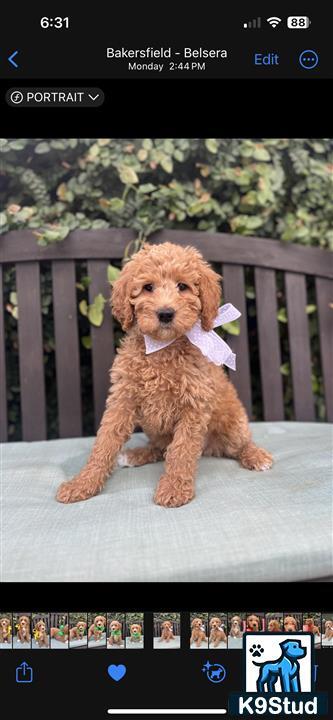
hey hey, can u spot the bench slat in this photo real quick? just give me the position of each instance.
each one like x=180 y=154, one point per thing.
x=324 y=291
x=299 y=343
x=67 y=349
x=234 y=292
x=103 y=244
x=269 y=344
x=32 y=381
x=102 y=338
x=3 y=384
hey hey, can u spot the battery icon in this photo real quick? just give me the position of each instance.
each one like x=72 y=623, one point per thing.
x=298 y=22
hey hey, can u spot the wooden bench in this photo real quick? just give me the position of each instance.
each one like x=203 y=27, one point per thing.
x=232 y=253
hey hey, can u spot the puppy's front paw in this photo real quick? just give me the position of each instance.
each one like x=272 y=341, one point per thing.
x=76 y=490
x=173 y=494
x=255 y=458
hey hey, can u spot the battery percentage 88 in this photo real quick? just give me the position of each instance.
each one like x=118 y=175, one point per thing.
x=298 y=22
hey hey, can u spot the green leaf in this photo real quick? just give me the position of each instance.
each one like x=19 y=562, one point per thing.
x=168 y=146
x=17 y=144
x=116 y=204
x=318 y=147
x=244 y=224
x=147 y=144
x=94 y=150
x=142 y=154
x=83 y=307
x=41 y=148
x=285 y=369
x=282 y=315
x=113 y=273
x=233 y=328
x=250 y=293
x=211 y=145
x=315 y=384
x=261 y=153
x=127 y=175
x=13 y=298
x=179 y=155
x=146 y=188
x=95 y=310
x=64 y=194
x=166 y=163
x=86 y=342
x=310 y=309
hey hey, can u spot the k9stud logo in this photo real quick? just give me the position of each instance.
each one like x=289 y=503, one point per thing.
x=276 y=662
x=279 y=676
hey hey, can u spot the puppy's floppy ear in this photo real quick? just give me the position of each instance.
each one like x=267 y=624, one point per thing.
x=209 y=293
x=120 y=298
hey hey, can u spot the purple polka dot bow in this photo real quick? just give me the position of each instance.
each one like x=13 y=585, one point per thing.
x=211 y=345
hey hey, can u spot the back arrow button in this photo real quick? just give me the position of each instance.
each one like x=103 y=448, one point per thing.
x=11 y=59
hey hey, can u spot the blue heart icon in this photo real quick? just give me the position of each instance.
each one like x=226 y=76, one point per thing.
x=117 y=672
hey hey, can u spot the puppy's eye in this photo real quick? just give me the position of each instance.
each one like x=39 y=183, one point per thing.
x=149 y=287
x=181 y=286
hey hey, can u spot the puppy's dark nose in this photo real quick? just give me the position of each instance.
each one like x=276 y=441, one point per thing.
x=165 y=315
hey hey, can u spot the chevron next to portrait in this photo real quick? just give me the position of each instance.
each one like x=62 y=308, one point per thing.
x=268 y=59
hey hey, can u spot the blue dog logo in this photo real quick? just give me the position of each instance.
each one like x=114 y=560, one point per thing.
x=286 y=668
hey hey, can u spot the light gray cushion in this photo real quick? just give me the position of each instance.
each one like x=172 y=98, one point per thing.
x=242 y=525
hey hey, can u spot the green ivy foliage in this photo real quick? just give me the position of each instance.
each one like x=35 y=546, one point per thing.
x=274 y=188
x=278 y=188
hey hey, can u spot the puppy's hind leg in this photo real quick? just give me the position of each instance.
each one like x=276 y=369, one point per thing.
x=255 y=458
x=134 y=457
x=229 y=435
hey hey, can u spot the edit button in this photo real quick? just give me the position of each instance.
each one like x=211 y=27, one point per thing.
x=266 y=59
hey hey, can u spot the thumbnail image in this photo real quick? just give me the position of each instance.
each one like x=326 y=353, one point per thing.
x=312 y=624
x=134 y=631
x=40 y=631
x=78 y=630
x=327 y=630
x=22 y=631
x=218 y=628
x=6 y=630
x=116 y=631
x=274 y=621
x=255 y=622
x=97 y=630
x=199 y=631
x=236 y=628
x=166 y=631
x=59 y=631
x=292 y=622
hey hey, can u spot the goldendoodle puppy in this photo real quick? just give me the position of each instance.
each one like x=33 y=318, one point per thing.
x=184 y=403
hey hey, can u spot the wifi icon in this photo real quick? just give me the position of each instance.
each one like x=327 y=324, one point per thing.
x=274 y=21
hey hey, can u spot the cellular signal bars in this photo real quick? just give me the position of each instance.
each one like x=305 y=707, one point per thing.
x=254 y=24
